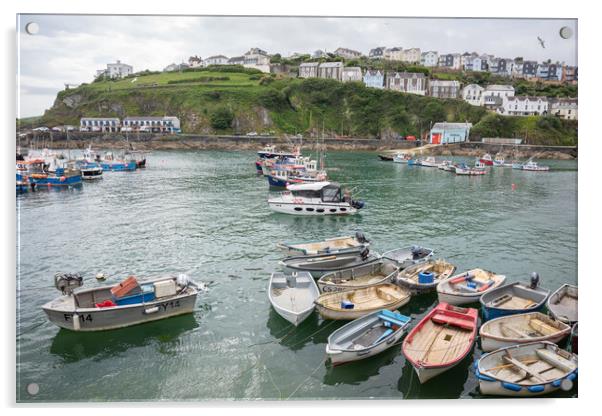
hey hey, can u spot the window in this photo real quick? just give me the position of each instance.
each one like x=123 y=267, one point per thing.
x=331 y=194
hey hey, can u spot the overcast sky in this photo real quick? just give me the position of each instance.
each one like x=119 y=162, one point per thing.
x=69 y=49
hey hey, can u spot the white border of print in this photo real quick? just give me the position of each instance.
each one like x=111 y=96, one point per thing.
x=589 y=223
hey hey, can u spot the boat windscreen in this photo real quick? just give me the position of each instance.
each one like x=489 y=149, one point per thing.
x=331 y=194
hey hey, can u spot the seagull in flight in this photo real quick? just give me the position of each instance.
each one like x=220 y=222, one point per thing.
x=541 y=42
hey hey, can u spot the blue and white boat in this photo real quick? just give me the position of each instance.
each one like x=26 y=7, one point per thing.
x=526 y=370
x=22 y=183
x=39 y=175
x=111 y=163
x=514 y=298
x=283 y=178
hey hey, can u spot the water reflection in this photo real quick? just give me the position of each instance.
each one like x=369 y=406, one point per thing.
x=357 y=371
x=313 y=330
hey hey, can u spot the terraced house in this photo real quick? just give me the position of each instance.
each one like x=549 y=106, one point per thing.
x=331 y=70
x=351 y=73
x=308 y=70
x=408 y=82
x=374 y=79
x=524 y=106
x=443 y=88
x=347 y=53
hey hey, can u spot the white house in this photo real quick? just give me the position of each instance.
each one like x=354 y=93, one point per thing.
x=412 y=55
x=104 y=124
x=499 y=91
x=523 y=106
x=430 y=58
x=408 y=82
x=116 y=70
x=215 y=60
x=351 y=73
x=394 y=54
x=195 y=61
x=236 y=60
x=565 y=108
x=308 y=70
x=152 y=124
x=473 y=94
x=331 y=70
x=443 y=88
x=347 y=53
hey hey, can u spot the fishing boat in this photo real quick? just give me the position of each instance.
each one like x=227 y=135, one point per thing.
x=532 y=166
x=22 y=183
x=270 y=152
x=318 y=198
x=468 y=287
x=441 y=340
x=355 y=303
x=335 y=245
x=366 y=336
x=462 y=169
x=292 y=296
x=381 y=271
x=519 y=329
x=386 y=158
x=486 y=159
x=283 y=178
x=402 y=158
x=446 y=165
x=500 y=162
x=526 y=370
x=424 y=277
x=40 y=175
x=514 y=298
x=562 y=304
x=318 y=264
x=429 y=162
x=110 y=163
x=98 y=309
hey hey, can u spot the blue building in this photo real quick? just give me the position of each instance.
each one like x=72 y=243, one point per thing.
x=374 y=79
x=445 y=133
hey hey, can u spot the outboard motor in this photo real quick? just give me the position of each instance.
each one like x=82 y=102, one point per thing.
x=361 y=237
x=357 y=204
x=534 y=280
x=365 y=252
x=67 y=282
x=415 y=252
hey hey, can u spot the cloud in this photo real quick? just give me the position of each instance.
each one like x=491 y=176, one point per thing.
x=70 y=48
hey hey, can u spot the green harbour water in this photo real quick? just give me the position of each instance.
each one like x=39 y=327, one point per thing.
x=205 y=213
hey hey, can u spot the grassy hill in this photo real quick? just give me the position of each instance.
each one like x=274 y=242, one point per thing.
x=227 y=100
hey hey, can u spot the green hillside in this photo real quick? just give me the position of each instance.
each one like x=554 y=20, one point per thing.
x=227 y=100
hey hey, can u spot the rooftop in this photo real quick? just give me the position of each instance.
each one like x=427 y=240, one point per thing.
x=445 y=126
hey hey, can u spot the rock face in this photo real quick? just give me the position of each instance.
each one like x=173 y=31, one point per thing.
x=73 y=100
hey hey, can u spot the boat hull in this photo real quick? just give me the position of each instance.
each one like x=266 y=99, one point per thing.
x=319 y=264
x=119 y=166
x=351 y=314
x=102 y=319
x=309 y=209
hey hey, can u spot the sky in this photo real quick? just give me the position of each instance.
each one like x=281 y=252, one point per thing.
x=70 y=48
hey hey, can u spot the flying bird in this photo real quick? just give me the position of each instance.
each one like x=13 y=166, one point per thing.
x=541 y=42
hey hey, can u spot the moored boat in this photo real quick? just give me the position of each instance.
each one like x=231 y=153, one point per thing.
x=366 y=336
x=526 y=370
x=329 y=246
x=402 y=158
x=532 y=166
x=292 y=296
x=355 y=303
x=446 y=165
x=486 y=159
x=374 y=273
x=270 y=152
x=40 y=176
x=98 y=309
x=410 y=255
x=318 y=264
x=468 y=287
x=462 y=169
x=110 y=163
x=429 y=162
x=424 y=277
x=514 y=298
x=519 y=329
x=22 y=183
x=318 y=198
x=386 y=158
x=441 y=340
x=562 y=304
x=90 y=170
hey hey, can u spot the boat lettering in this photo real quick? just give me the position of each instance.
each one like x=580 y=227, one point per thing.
x=69 y=316
x=172 y=304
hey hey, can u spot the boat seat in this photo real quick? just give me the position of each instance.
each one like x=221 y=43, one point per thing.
x=450 y=320
x=395 y=318
x=384 y=335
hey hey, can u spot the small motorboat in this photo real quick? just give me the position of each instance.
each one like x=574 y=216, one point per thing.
x=111 y=164
x=355 y=303
x=90 y=170
x=317 y=264
x=292 y=296
x=526 y=370
x=468 y=287
x=98 y=308
x=446 y=165
x=329 y=246
x=519 y=329
x=375 y=273
x=462 y=169
x=366 y=336
x=410 y=255
x=532 y=166
x=270 y=152
x=441 y=340
x=424 y=277
x=402 y=158
x=386 y=158
x=514 y=298
x=562 y=304
x=318 y=198
x=429 y=162
x=486 y=160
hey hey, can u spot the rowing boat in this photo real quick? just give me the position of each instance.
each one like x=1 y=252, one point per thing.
x=425 y=277
x=513 y=298
x=562 y=304
x=292 y=296
x=468 y=287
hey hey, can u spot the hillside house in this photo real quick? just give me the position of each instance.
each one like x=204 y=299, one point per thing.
x=347 y=53
x=443 y=89
x=351 y=73
x=524 y=106
x=408 y=82
x=308 y=70
x=99 y=124
x=429 y=59
x=330 y=70
x=473 y=94
x=374 y=79
x=565 y=108
x=116 y=70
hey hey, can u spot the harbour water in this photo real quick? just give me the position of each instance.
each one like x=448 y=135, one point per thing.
x=205 y=214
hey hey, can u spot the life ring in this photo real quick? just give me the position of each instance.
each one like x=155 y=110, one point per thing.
x=62 y=179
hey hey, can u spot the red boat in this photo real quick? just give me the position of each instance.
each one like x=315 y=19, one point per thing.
x=441 y=340
x=487 y=159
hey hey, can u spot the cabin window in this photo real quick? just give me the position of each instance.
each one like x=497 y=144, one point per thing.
x=320 y=210
x=333 y=210
x=343 y=209
x=309 y=209
x=298 y=209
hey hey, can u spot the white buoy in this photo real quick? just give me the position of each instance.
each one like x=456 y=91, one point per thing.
x=101 y=276
x=566 y=384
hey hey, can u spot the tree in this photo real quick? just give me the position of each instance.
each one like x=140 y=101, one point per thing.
x=221 y=118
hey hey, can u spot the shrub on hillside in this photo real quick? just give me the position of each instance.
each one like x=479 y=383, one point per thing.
x=221 y=118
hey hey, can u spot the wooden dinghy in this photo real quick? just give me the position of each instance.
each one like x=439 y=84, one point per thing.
x=520 y=329
x=524 y=370
x=468 y=287
x=292 y=296
x=562 y=304
x=441 y=340
x=514 y=298
x=366 y=336
x=129 y=303
x=323 y=263
x=425 y=277
x=371 y=274
x=329 y=246
x=355 y=303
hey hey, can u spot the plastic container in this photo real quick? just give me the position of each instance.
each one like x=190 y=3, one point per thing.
x=347 y=305
x=147 y=295
x=128 y=287
x=426 y=277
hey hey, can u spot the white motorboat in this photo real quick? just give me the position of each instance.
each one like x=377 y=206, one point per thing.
x=292 y=296
x=532 y=166
x=429 y=162
x=318 y=198
x=402 y=158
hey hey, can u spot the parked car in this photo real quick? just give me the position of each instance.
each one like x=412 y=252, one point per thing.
x=252 y=133
x=41 y=129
